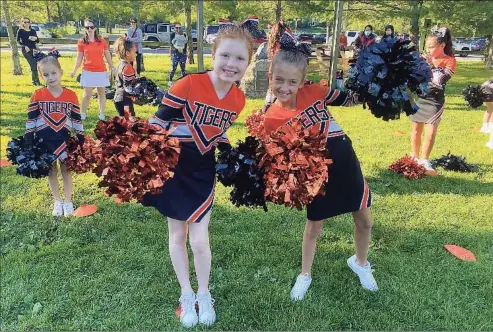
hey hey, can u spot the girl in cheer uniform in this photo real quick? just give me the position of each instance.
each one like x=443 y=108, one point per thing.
x=125 y=75
x=346 y=189
x=431 y=107
x=52 y=113
x=199 y=108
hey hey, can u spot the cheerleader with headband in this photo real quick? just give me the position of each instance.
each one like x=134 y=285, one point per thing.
x=440 y=56
x=346 y=190
x=53 y=112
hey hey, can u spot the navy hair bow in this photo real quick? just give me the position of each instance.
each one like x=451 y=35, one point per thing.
x=251 y=24
x=438 y=32
x=38 y=55
x=288 y=42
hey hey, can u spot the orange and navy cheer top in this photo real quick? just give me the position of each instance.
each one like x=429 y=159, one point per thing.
x=53 y=118
x=194 y=110
x=125 y=75
x=199 y=119
x=442 y=70
x=311 y=109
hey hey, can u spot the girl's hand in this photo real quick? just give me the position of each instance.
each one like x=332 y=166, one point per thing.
x=27 y=48
x=32 y=38
x=72 y=74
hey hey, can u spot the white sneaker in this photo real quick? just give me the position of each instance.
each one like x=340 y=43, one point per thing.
x=188 y=315
x=68 y=209
x=427 y=165
x=57 y=209
x=485 y=128
x=301 y=286
x=365 y=274
x=416 y=159
x=170 y=83
x=83 y=116
x=207 y=314
x=489 y=144
x=101 y=117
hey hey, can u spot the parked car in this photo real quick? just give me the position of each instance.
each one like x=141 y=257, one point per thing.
x=41 y=31
x=210 y=33
x=351 y=37
x=479 y=43
x=160 y=32
x=3 y=30
x=462 y=46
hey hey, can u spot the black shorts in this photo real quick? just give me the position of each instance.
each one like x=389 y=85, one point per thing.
x=346 y=190
x=120 y=106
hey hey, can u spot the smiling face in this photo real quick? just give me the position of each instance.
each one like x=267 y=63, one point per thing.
x=286 y=79
x=51 y=74
x=90 y=28
x=230 y=59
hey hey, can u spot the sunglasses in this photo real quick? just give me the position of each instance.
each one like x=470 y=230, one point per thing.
x=177 y=27
x=133 y=22
x=90 y=27
x=27 y=22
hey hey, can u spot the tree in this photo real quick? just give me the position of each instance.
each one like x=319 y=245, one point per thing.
x=188 y=14
x=17 y=69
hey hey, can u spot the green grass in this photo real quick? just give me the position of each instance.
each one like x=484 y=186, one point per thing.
x=111 y=271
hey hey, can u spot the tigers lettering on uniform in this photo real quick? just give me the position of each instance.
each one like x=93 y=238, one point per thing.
x=191 y=106
x=212 y=116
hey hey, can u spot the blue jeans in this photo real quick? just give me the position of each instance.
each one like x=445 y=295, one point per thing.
x=177 y=58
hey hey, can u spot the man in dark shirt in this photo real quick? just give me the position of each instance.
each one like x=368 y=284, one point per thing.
x=27 y=38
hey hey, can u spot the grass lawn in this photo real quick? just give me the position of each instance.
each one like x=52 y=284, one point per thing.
x=111 y=271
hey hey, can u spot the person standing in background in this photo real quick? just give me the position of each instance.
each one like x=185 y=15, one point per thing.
x=178 y=52
x=135 y=35
x=27 y=38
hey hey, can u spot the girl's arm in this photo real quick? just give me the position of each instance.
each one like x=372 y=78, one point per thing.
x=78 y=62
x=33 y=113
x=442 y=75
x=341 y=98
x=77 y=121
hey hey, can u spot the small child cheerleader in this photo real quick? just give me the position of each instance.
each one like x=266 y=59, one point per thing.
x=431 y=107
x=200 y=108
x=125 y=75
x=346 y=191
x=52 y=113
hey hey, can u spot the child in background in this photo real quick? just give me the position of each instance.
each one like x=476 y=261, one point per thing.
x=346 y=190
x=200 y=108
x=431 y=107
x=52 y=113
x=125 y=75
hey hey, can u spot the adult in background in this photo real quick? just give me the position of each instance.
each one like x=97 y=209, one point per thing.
x=135 y=35
x=365 y=38
x=27 y=38
x=92 y=50
x=178 y=52
x=389 y=32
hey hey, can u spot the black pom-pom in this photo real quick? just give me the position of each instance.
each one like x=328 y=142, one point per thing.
x=144 y=89
x=383 y=74
x=32 y=160
x=451 y=162
x=238 y=167
x=474 y=95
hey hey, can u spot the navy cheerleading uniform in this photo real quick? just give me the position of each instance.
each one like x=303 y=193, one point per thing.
x=346 y=189
x=53 y=118
x=199 y=119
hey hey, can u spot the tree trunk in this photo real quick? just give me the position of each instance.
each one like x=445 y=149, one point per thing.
x=489 y=57
x=278 y=10
x=415 y=15
x=17 y=69
x=59 y=13
x=48 y=12
x=188 y=15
